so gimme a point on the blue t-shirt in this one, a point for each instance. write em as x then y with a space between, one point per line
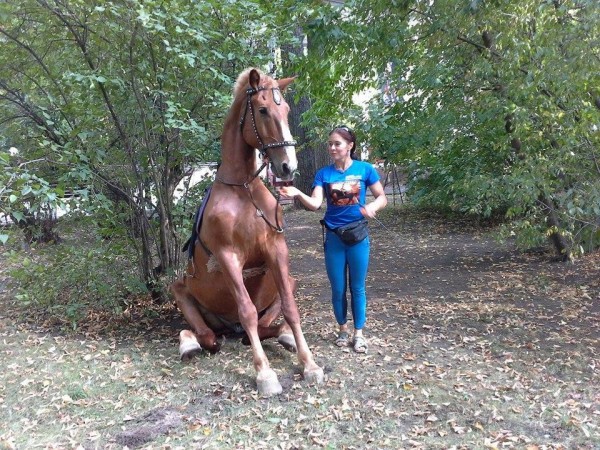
345 191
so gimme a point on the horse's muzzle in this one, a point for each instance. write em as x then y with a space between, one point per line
286 171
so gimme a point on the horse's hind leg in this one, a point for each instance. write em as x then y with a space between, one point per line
282 332
202 337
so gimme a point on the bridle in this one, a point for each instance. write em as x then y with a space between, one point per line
250 107
262 150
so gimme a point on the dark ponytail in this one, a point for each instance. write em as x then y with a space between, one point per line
348 134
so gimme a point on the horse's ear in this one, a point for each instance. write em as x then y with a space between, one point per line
285 82
254 79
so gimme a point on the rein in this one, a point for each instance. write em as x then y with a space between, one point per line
259 211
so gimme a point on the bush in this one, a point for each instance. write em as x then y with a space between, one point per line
70 280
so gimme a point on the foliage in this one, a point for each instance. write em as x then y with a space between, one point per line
27 199
77 277
492 107
113 104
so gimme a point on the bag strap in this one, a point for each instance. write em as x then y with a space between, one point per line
323 226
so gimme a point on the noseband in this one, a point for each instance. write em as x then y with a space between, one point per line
249 107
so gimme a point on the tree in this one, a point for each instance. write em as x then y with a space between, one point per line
119 101
491 106
312 153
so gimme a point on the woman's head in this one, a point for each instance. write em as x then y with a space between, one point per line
346 134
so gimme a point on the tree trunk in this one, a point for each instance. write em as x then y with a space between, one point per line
560 243
311 156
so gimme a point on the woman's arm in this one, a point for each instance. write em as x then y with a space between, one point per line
370 209
313 202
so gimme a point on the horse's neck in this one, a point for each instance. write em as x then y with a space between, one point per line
238 159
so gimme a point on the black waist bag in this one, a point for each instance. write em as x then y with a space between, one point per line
353 233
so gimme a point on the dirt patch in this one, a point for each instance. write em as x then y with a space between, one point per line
148 427
472 345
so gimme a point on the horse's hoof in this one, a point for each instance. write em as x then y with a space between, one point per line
288 342
268 384
314 376
188 345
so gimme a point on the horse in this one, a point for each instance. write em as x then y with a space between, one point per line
237 278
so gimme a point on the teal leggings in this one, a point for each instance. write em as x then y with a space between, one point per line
347 263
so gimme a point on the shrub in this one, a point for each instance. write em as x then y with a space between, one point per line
72 279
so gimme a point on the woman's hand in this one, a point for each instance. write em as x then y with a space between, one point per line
369 211
289 191
313 202
380 201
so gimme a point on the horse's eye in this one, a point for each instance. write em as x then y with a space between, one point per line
263 110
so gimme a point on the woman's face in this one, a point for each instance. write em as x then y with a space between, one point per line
339 148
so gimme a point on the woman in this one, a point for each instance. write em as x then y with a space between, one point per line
344 184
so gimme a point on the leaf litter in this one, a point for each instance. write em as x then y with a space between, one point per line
472 345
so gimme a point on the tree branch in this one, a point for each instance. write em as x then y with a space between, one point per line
37 58
19 100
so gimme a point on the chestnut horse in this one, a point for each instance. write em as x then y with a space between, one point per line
238 277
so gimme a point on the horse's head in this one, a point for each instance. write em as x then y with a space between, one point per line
265 123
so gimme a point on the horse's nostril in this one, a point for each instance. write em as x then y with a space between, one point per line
286 169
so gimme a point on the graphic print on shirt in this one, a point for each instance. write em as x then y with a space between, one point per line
344 193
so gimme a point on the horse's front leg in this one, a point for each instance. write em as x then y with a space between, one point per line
266 378
279 264
265 293
188 341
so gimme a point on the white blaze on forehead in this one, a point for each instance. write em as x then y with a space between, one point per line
290 150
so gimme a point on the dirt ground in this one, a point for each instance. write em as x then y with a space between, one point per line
427 271
473 345
442 291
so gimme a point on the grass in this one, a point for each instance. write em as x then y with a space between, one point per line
499 351
65 392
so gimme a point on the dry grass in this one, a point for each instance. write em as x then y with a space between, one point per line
471 346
